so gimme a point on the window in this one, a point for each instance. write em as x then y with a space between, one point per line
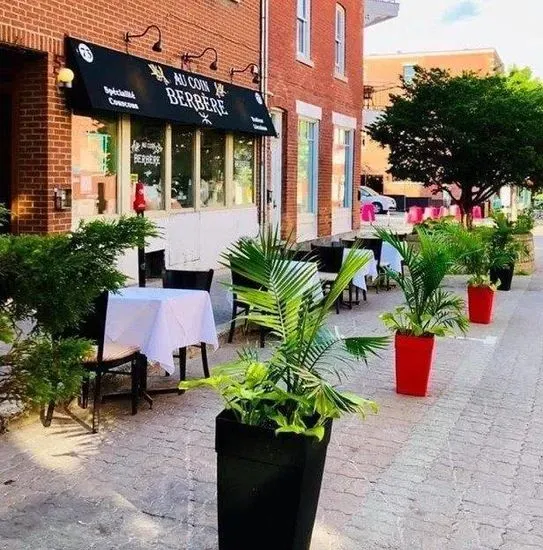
244 169
212 164
307 165
147 159
408 73
182 190
94 165
340 40
303 28
342 168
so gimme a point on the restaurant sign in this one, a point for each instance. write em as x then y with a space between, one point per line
108 80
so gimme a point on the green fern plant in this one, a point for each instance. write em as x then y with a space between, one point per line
428 309
294 390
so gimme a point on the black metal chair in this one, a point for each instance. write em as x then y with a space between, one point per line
376 246
189 280
241 307
106 358
330 259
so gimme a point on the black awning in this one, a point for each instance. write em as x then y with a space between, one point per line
108 80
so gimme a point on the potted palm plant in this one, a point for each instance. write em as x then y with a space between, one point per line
474 255
505 251
271 438
428 311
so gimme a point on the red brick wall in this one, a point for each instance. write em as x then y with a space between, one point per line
291 80
43 151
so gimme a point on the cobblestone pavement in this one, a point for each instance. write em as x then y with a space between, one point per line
461 469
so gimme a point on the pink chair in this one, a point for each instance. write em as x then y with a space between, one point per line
414 214
443 212
477 213
427 213
434 213
367 213
455 211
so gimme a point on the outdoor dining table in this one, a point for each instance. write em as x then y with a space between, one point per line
160 320
368 270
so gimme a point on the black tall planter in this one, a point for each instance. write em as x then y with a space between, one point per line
267 486
504 275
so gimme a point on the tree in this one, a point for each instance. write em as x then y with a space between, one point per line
465 135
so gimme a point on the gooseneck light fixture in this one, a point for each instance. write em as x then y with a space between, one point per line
187 57
157 46
255 71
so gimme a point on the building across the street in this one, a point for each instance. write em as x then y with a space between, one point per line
383 75
91 105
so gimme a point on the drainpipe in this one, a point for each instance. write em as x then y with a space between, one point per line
264 30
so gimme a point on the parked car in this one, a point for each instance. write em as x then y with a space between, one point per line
381 203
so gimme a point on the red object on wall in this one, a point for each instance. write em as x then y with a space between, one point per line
480 304
139 198
414 355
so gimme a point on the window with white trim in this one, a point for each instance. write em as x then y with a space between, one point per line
340 40
342 168
303 29
308 165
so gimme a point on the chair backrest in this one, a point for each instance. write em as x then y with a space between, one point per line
375 245
348 243
330 257
303 256
240 280
189 280
93 325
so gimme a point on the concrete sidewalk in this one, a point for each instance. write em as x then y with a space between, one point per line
459 470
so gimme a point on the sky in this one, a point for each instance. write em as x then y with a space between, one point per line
513 27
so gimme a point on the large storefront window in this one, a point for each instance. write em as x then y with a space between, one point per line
94 166
342 168
212 164
244 169
307 165
147 159
182 167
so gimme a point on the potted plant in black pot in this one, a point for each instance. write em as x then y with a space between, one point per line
428 310
272 437
505 250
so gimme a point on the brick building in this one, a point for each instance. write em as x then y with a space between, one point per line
75 153
382 78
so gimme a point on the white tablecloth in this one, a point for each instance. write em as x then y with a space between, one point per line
391 258
370 269
160 320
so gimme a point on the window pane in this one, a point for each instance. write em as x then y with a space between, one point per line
338 168
94 166
212 163
182 164
243 170
147 159
307 168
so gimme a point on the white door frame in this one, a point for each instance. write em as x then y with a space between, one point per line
276 169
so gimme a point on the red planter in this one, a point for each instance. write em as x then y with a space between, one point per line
480 304
414 356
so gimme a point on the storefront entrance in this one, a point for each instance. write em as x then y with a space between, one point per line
5 154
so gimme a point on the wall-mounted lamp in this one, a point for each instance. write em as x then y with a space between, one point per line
62 198
187 57
255 71
157 46
65 77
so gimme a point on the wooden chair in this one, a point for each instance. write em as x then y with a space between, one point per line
106 358
189 280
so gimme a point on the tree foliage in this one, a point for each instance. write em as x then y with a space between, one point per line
465 135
